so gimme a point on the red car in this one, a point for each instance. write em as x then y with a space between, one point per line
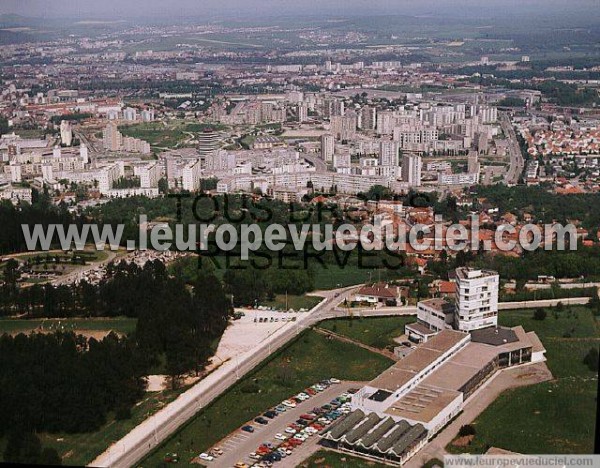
309 417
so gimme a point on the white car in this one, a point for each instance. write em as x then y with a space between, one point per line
206 457
303 396
334 381
255 456
289 403
281 437
290 430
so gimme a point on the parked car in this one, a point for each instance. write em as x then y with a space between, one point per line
248 428
261 420
206 457
171 458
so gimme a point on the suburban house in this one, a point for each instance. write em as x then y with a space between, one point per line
379 293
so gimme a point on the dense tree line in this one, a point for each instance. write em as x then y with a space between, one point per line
39 212
64 382
583 262
175 320
543 204
250 286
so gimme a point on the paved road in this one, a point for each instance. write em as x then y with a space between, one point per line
543 303
517 163
319 164
150 433
238 445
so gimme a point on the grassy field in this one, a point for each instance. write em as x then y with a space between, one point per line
336 277
329 459
552 417
121 325
289 370
293 302
171 135
374 331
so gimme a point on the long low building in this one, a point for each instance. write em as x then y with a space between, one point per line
396 413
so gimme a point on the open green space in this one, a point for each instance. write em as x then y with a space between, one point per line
329 459
122 325
308 359
165 134
334 276
283 302
378 332
552 417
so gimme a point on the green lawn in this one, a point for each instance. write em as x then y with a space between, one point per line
301 363
329 459
293 302
373 331
122 325
552 417
171 135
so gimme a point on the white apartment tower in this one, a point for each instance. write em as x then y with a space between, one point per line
108 175
149 175
476 299
47 172
412 166
16 173
388 153
112 139
190 176
66 133
84 154
327 147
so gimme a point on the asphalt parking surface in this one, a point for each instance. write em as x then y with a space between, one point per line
238 445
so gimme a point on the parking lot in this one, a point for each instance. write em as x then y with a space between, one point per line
251 329
238 445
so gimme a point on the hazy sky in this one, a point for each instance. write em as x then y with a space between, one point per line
255 8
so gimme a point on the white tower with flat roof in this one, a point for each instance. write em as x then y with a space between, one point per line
476 299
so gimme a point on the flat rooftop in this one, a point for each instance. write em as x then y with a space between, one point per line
423 403
441 305
425 354
464 273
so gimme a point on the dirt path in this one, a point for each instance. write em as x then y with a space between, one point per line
345 339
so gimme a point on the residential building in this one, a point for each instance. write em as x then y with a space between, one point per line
412 166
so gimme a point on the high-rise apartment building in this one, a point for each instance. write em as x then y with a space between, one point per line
412 166
476 299
327 147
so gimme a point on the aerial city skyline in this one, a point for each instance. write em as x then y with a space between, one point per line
299 234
